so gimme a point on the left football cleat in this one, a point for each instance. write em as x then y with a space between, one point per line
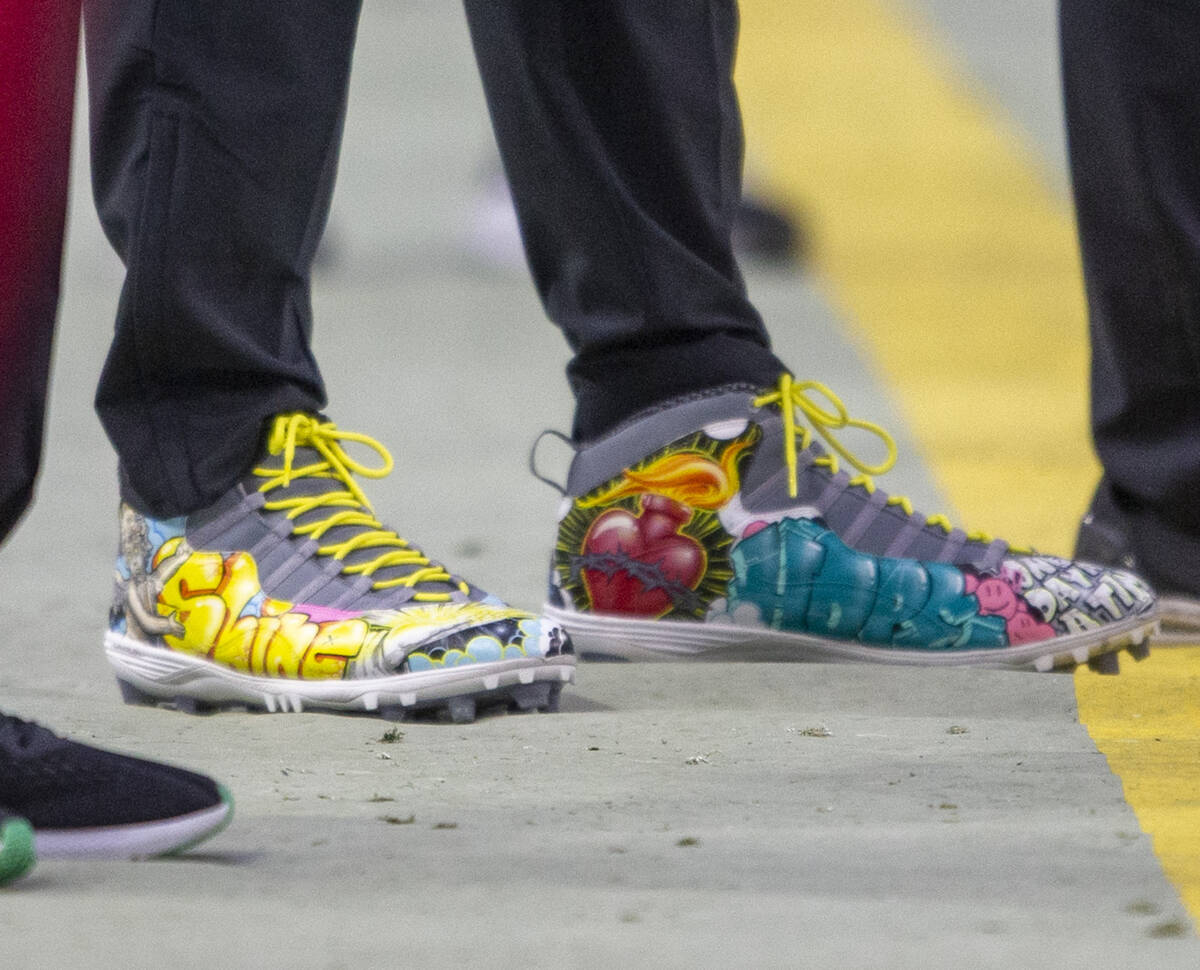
288 594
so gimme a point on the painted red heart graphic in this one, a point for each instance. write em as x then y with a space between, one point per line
660 554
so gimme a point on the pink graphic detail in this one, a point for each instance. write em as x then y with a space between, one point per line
756 526
323 614
1001 596
652 539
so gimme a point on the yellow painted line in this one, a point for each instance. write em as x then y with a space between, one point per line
938 240
1146 722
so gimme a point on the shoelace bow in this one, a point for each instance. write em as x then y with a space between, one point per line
299 430
792 396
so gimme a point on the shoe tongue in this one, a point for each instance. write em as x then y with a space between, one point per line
308 486
765 489
765 480
302 458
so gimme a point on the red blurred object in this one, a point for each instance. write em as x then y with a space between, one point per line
39 45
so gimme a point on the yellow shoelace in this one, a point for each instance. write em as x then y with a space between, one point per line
298 430
792 396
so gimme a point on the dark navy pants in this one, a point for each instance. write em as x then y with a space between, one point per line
215 136
1132 84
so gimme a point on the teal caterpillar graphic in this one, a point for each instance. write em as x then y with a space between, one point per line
796 575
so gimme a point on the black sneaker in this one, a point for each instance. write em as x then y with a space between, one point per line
1104 537
84 802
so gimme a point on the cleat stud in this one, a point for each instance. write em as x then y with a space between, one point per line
1081 655
134 695
491 682
1105 663
270 703
297 704
531 697
370 701
461 709
525 676
1044 664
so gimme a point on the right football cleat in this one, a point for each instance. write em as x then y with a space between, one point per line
717 527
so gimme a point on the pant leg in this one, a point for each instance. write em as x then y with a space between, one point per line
215 130
39 40
621 137
1132 87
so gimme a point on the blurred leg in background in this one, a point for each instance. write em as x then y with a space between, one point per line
1132 86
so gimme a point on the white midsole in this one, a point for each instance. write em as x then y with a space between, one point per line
136 840
167 673
638 639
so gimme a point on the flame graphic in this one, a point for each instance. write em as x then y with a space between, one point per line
688 477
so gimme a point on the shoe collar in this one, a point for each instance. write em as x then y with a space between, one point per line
723 412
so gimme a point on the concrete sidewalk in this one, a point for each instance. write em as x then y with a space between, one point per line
679 816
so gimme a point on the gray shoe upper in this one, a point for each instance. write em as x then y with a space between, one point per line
861 518
289 565
318 512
